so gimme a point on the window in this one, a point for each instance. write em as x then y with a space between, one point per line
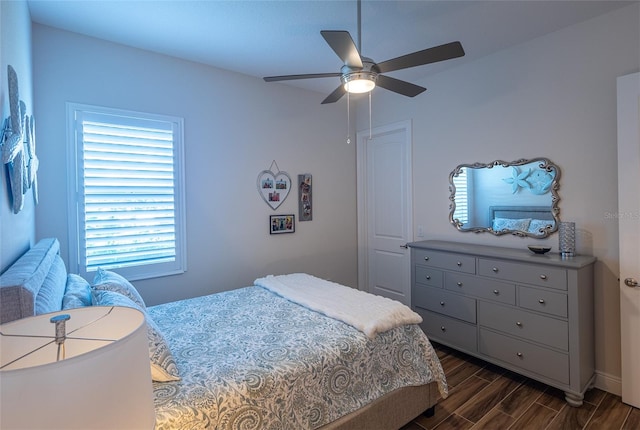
127 178
461 183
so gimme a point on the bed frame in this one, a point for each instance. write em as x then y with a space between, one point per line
25 282
391 411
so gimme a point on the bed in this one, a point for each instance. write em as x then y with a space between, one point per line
531 219
251 358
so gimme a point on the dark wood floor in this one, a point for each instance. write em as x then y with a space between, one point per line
484 396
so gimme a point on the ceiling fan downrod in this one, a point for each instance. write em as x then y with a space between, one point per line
359 9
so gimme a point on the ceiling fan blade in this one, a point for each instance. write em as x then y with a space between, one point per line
307 76
335 95
342 43
426 56
397 86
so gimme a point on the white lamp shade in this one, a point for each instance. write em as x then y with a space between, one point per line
103 383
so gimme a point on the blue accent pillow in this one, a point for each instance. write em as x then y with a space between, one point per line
77 294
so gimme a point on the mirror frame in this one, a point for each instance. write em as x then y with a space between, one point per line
543 163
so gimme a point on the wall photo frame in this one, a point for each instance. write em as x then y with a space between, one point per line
279 224
274 185
305 205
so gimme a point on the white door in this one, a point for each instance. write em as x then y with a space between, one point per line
384 211
629 236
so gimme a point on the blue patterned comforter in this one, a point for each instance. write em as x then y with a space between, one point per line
250 359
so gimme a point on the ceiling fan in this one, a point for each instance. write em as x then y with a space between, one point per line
361 74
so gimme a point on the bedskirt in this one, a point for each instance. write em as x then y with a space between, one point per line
249 359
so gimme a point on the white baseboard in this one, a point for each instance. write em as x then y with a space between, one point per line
609 383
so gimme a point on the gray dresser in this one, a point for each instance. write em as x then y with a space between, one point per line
532 314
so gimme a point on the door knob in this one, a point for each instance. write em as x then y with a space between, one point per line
631 282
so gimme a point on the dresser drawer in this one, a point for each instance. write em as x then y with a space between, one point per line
438 300
527 325
541 300
449 331
544 276
429 276
481 287
542 361
445 260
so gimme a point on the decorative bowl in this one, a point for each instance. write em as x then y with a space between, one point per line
539 249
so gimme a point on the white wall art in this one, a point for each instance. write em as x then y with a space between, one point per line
19 146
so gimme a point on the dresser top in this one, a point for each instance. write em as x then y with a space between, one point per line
524 255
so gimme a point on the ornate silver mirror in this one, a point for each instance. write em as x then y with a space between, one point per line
518 197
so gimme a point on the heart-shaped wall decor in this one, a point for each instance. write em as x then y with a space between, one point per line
274 187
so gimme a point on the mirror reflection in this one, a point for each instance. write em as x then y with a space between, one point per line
518 197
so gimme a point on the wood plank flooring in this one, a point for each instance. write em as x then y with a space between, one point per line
484 396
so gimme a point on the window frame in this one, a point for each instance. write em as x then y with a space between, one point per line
75 195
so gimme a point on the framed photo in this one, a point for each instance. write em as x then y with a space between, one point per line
305 211
279 224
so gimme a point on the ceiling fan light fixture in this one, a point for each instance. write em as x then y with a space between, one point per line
359 82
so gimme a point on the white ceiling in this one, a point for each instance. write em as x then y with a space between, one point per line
278 37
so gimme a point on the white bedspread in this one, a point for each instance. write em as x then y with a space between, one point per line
366 312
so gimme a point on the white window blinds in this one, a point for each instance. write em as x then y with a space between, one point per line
129 192
461 182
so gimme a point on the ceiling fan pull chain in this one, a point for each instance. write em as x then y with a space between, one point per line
370 115
348 120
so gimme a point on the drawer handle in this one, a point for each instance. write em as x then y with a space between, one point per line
428 277
459 263
519 354
443 328
541 301
495 270
441 303
496 292
518 323
459 284
543 277
426 258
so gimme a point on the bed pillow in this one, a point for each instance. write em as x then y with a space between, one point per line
163 365
511 224
106 280
538 224
77 294
51 292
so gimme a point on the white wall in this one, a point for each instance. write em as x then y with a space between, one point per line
553 97
235 126
17 231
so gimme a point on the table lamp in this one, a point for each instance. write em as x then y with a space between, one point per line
84 368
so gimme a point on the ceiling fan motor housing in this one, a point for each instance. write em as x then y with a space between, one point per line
369 72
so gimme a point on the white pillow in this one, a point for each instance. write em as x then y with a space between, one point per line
111 281
163 365
538 224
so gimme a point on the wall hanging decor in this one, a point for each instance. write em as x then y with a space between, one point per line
279 224
274 186
305 207
19 146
